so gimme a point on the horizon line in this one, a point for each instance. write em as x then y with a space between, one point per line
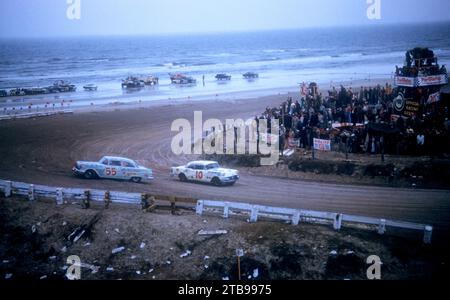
197 33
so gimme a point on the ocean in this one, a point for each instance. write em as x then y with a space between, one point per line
282 58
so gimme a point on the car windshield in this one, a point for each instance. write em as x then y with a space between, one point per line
212 166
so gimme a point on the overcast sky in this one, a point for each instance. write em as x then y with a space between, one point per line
38 18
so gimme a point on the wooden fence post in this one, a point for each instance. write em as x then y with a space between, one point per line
8 189
144 201
31 192
107 199
254 215
337 224
148 203
199 208
59 196
382 226
428 234
86 200
172 204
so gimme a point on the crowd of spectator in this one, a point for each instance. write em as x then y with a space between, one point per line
358 121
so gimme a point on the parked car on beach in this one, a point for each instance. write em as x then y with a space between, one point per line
205 171
182 79
111 167
90 87
17 92
223 76
132 82
251 75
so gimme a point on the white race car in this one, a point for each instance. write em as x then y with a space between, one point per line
205 171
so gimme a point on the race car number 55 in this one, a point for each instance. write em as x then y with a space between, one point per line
230 289
111 172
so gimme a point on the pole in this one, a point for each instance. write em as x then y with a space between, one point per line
346 147
239 268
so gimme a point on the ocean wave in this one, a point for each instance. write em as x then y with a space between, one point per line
348 55
274 51
225 54
98 60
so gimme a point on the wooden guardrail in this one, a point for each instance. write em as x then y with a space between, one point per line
147 201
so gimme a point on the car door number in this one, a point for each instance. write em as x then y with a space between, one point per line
199 175
111 172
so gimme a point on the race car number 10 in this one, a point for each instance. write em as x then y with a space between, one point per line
111 172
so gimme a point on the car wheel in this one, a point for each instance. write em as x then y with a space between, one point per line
136 179
182 177
216 181
90 174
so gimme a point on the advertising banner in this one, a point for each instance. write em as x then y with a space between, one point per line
322 145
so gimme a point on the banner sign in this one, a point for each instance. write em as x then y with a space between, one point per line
432 80
433 98
405 81
322 145
421 81
412 108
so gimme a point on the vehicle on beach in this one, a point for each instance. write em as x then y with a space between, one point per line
17 92
223 76
132 82
182 79
61 86
150 80
205 171
35 91
111 167
3 93
90 87
251 75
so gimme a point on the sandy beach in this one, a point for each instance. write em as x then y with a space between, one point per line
99 101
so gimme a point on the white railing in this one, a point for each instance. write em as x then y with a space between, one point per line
294 216
32 191
27 115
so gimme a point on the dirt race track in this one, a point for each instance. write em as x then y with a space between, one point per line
43 151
